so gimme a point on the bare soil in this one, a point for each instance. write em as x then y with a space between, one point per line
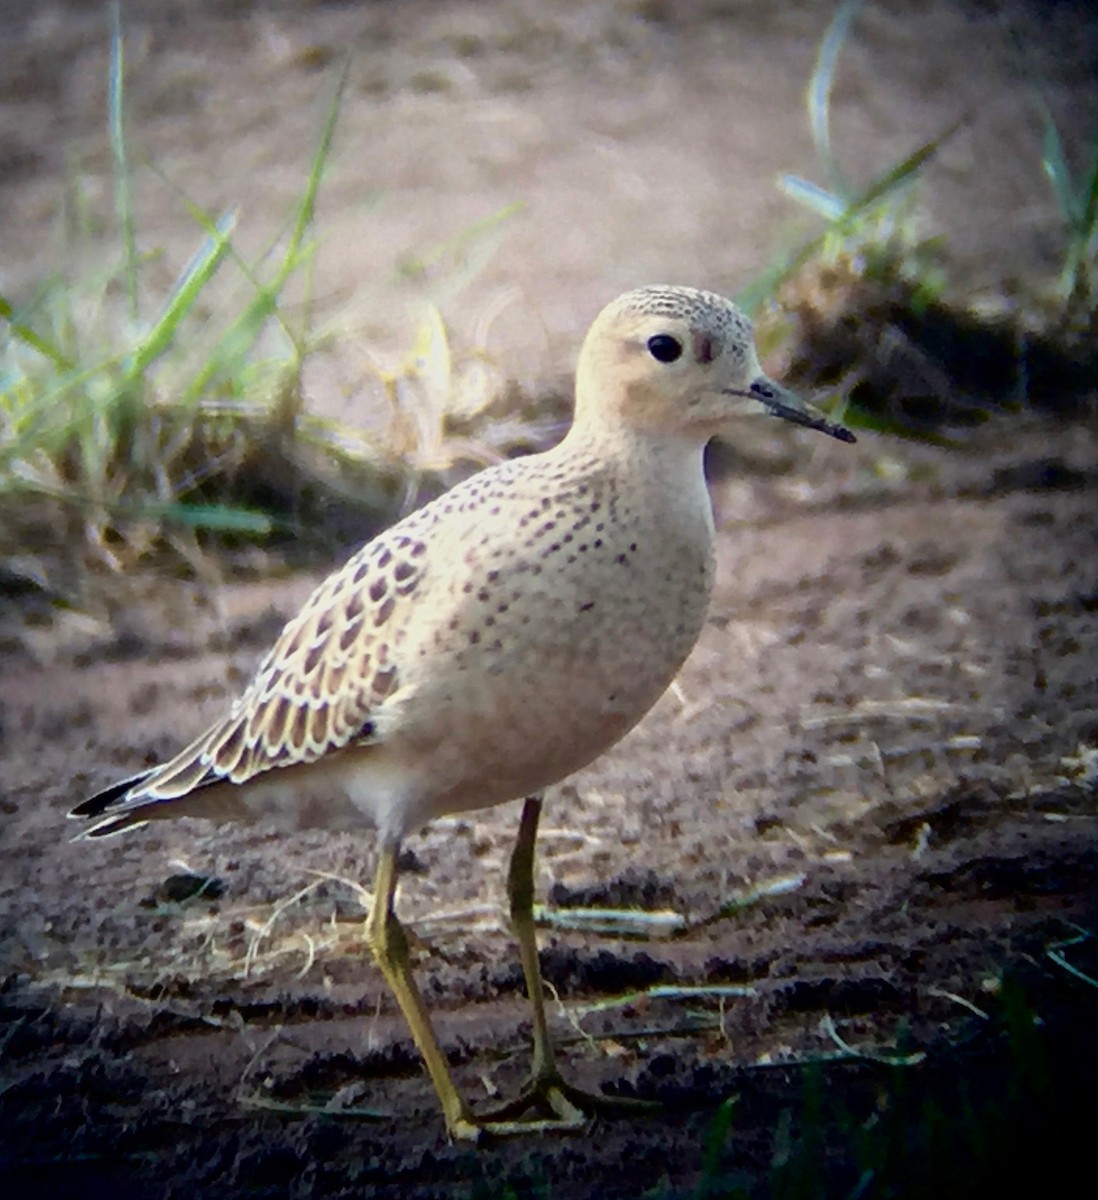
869 799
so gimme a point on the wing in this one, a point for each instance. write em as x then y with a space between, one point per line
315 692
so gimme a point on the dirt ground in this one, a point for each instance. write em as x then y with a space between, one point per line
866 809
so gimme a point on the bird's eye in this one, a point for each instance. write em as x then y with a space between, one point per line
664 348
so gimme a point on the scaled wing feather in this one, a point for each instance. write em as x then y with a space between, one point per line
319 685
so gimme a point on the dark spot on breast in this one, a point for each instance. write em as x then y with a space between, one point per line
378 588
403 571
384 611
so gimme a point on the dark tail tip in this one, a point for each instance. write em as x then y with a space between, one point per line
102 802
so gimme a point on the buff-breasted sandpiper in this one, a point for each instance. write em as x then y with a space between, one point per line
494 642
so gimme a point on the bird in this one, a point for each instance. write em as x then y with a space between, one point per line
492 643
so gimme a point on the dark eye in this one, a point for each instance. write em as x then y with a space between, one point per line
664 348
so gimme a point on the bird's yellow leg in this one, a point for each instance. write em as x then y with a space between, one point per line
564 1108
389 944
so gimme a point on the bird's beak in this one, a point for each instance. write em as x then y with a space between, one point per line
790 407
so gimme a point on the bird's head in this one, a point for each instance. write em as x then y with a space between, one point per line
679 362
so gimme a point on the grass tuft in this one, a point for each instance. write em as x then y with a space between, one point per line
120 430
1077 201
134 423
864 303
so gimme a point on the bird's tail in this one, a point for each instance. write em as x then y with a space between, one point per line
101 805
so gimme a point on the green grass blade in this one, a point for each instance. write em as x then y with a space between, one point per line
886 185
716 1139
884 188
461 241
1077 277
1054 164
214 518
241 335
211 226
306 210
23 333
819 200
233 346
123 190
819 91
196 275
1088 215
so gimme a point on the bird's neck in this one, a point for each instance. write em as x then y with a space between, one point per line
661 470
629 449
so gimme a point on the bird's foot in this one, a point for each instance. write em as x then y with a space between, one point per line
547 1104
